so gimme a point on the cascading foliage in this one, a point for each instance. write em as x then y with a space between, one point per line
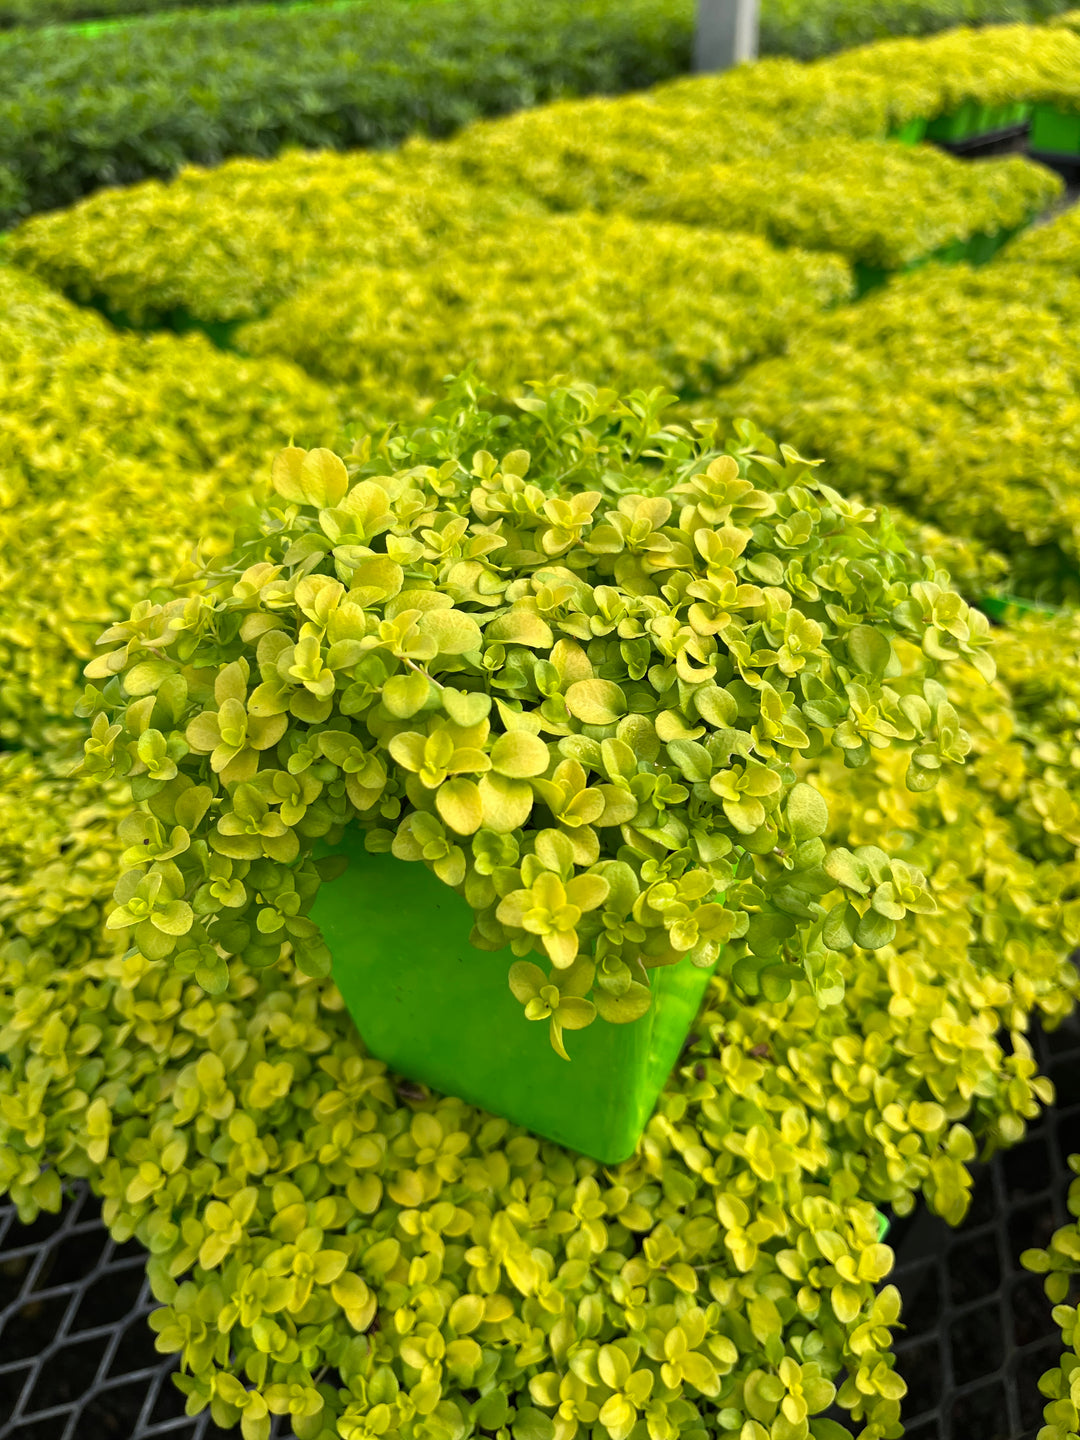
571 663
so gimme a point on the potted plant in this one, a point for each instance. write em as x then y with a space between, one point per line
532 695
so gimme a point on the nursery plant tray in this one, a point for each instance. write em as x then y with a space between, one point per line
910 132
1009 607
969 126
979 1331
1054 134
439 1011
974 124
977 248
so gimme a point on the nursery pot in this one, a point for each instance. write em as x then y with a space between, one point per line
438 1010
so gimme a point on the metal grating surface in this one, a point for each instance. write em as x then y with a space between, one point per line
77 1360
979 1331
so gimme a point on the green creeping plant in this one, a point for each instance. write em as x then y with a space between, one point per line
196 86
577 682
169 435
368 1259
995 348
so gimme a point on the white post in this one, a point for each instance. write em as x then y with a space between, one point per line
726 34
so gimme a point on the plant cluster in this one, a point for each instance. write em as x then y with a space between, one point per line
980 436
875 202
118 454
199 86
575 682
1060 1263
595 153
228 244
609 298
600 151
366 1258
354 1253
998 65
215 246
60 12
807 31
803 31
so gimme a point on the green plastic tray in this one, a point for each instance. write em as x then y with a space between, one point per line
1053 132
911 132
977 248
1005 607
972 121
439 1011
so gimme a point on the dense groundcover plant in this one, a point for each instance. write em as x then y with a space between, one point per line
213 1126
570 662
196 86
1060 1263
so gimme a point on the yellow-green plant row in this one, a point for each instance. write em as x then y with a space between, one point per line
876 202
592 153
981 435
992 65
607 298
228 244
303 1213
118 454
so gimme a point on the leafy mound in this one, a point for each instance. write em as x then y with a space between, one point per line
980 436
228 243
611 298
118 455
573 682
334 1245
878 203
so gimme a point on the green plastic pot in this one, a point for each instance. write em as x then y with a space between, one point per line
439 1011
1053 132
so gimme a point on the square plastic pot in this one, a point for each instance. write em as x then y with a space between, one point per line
439 1011
1053 132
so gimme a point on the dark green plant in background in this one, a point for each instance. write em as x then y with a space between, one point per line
78 112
